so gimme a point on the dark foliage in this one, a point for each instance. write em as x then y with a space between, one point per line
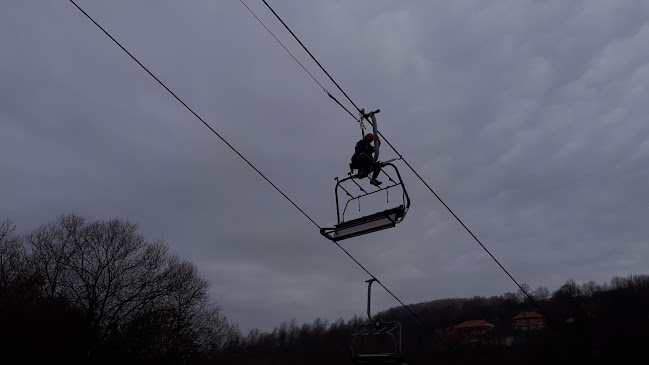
97 292
591 323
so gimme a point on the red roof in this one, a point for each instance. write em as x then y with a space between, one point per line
477 323
528 315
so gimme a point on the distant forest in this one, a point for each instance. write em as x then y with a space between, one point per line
83 291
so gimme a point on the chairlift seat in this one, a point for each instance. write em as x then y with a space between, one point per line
368 224
385 358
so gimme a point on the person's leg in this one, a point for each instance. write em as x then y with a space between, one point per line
354 163
364 163
377 171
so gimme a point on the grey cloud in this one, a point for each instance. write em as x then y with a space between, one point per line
527 118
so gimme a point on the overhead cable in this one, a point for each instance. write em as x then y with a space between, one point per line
243 158
296 60
406 162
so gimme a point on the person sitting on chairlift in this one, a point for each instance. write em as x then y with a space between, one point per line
363 159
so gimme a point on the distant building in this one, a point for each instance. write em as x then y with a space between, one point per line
470 331
528 321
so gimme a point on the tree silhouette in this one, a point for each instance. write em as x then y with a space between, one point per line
115 294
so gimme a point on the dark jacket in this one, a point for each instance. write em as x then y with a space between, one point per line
364 146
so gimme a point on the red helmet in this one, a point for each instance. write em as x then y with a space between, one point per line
369 137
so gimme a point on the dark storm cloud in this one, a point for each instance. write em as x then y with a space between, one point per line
528 118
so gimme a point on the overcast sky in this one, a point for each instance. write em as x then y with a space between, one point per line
529 118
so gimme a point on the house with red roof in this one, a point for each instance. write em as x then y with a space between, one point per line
469 330
528 321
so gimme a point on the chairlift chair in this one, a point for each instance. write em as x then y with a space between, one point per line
388 218
377 342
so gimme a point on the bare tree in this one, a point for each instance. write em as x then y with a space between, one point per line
124 285
589 288
52 247
12 256
640 281
541 293
569 290
511 297
618 282
523 292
